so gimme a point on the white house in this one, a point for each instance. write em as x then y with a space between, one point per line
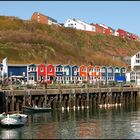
78 24
116 33
133 75
135 61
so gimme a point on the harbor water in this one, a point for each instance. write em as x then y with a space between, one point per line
117 122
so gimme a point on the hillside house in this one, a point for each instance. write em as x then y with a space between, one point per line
40 18
101 28
78 24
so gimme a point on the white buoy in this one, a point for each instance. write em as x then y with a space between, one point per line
82 107
116 104
74 108
78 107
101 106
108 105
87 107
62 108
105 105
68 108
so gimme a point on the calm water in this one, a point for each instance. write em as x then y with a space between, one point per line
116 122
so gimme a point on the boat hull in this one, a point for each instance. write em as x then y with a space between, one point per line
31 109
11 122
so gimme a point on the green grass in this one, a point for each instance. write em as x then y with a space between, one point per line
26 42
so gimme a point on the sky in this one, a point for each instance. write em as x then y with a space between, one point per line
115 14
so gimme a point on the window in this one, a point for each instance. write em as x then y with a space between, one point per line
117 70
123 70
103 70
138 55
90 70
137 61
84 69
84 27
50 69
97 70
41 69
75 69
31 78
110 70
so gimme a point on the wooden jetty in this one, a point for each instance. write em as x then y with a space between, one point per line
67 98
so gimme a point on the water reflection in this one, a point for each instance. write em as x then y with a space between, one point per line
105 123
10 133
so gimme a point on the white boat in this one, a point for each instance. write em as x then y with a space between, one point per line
12 122
4 115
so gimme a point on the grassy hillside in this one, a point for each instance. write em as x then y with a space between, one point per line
27 42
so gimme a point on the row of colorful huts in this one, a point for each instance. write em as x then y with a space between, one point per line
58 73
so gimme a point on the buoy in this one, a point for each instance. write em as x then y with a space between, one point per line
74 108
62 108
100 105
68 108
78 107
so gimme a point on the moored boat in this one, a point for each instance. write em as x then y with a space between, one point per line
9 122
36 109
4 115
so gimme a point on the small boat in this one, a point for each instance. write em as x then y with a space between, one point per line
36 109
4 115
10 122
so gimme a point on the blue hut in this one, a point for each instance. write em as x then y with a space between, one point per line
120 76
75 74
104 74
31 73
59 73
67 74
110 74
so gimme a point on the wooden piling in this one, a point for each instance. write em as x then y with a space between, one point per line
13 104
6 109
17 106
